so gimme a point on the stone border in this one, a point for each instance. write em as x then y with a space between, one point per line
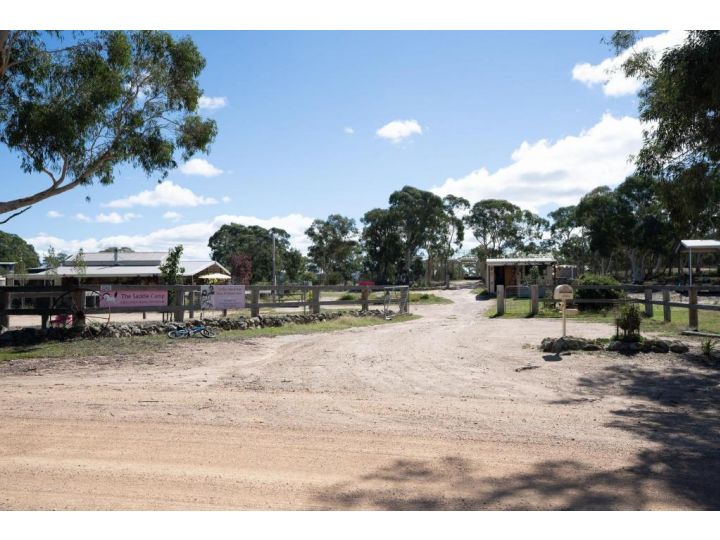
31 336
569 343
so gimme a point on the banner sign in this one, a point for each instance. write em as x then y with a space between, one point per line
222 296
110 298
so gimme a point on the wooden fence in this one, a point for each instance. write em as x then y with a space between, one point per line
691 305
187 298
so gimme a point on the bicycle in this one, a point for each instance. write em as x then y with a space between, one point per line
190 331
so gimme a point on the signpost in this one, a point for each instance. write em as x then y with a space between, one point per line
563 293
222 296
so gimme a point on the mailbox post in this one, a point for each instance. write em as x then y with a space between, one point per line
563 293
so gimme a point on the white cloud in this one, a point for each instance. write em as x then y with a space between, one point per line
348 130
174 216
54 214
165 194
546 173
193 236
397 130
114 217
83 217
609 72
208 102
226 199
199 167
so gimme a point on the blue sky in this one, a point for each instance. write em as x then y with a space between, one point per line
534 117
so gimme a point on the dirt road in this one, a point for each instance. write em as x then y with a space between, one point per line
451 411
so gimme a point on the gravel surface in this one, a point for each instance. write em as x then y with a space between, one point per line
451 411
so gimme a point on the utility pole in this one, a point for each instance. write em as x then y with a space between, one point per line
274 292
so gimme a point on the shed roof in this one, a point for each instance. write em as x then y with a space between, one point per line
699 246
520 261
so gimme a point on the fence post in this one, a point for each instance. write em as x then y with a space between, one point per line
4 304
179 305
534 297
648 303
667 317
255 302
79 300
692 311
365 298
405 300
315 302
500 299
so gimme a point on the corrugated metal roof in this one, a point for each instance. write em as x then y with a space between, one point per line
192 268
701 245
139 258
520 260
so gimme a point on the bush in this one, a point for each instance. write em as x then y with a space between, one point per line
629 321
597 294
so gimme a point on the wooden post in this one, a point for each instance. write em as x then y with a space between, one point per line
78 298
534 300
255 302
667 317
191 307
692 311
315 302
648 303
500 299
405 300
179 305
4 304
365 300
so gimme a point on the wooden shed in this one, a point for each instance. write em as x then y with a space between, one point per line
513 273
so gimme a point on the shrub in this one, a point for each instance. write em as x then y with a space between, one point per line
597 294
708 346
629 321
347 296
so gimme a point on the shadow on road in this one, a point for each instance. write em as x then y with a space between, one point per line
676 412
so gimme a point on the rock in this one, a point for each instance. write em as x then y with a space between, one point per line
658 345
679 347
591 347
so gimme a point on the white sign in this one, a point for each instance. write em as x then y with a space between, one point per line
222 296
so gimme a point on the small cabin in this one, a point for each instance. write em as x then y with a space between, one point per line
515 274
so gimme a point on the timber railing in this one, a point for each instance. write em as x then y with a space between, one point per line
184 298
647 301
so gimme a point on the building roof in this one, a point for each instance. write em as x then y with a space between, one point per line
699 246
192 268
139 258
520 261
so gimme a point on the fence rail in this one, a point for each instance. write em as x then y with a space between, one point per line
187 298
692 305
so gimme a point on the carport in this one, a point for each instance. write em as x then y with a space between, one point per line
698 247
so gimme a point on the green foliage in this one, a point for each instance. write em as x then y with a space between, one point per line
502 227
383 246
597 294
533 277
53 260
80 264
629 320
419 216
254 241
334 248
170 271
294 264
77 111
15 249
708 346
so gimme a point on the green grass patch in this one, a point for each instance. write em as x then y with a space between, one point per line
149 344
480 290
428 298
709 321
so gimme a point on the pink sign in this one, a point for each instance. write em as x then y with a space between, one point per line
133 298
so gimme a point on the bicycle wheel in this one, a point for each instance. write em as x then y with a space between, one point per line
206 332
177 334
66 304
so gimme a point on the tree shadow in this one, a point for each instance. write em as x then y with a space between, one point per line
676 411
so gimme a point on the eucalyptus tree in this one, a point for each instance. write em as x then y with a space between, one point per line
334 246
74 107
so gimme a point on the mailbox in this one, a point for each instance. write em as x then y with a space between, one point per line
563 292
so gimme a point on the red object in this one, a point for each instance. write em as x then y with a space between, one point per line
366 283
